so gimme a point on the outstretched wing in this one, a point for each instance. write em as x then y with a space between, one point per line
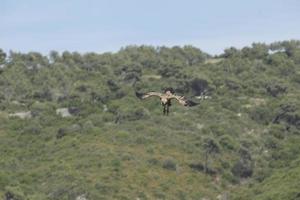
148 94
183 101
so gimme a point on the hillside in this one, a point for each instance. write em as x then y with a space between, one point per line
71 126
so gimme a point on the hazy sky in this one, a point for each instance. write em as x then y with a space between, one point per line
108 25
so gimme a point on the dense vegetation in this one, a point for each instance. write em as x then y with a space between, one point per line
72 128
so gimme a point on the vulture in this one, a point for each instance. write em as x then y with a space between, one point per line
165 99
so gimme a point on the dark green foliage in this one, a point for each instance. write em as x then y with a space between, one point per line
275 89
243 168
13 193
262 115
230 52
241 140
2 56
228 143
197 166
169 164
198 86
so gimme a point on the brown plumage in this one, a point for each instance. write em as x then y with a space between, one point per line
166 98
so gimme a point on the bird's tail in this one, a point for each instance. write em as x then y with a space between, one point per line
191 103
139 95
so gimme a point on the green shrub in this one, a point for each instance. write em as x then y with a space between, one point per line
278 131
228 176
228 143
153 161
14 192
262 115
169 164
72 129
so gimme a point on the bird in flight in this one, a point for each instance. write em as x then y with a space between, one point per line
166 98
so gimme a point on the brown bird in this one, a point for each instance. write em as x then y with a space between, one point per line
166 98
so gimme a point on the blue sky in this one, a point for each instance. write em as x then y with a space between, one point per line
108 25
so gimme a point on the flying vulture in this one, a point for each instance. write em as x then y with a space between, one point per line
166 98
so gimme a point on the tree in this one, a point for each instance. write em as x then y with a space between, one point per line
230 52
291 46
260 50
194 55
2 56
210 147
68 58
276 89
288 47
54 56
243 168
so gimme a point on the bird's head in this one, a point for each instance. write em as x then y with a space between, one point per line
169 91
